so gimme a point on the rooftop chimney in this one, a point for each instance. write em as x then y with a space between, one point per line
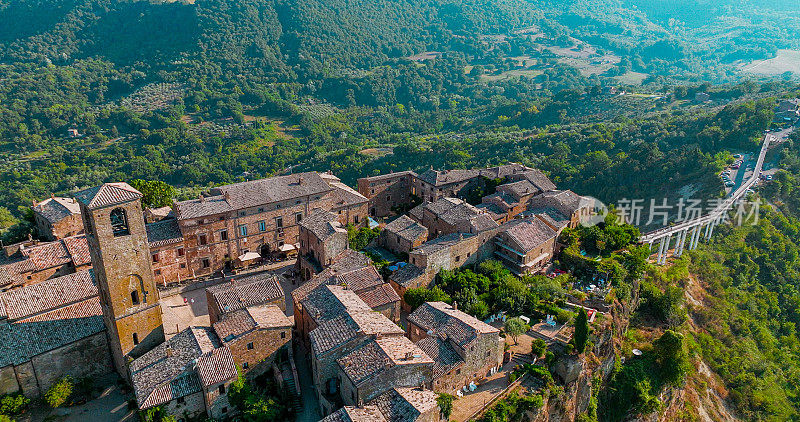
170 353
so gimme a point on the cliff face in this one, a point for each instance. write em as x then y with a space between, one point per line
579 374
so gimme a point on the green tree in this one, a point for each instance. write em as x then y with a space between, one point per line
59 393
515 327
418 296
581 330
672 357
445 402
155 193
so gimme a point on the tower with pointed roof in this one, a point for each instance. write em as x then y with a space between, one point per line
115 231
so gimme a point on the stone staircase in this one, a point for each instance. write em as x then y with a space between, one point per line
291 387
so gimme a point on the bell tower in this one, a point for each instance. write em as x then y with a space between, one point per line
115 231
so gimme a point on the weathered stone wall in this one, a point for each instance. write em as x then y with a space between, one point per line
265 343
385 192
397 376
193 405
217 404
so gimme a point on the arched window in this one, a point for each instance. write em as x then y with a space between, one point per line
119 222
135 297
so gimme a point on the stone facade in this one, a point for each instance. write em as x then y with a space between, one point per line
402 235
526 246
254 335
117 237
478 346
388 193
322 239
57 218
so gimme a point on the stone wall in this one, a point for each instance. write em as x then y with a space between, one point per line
88 357
387 191
265 343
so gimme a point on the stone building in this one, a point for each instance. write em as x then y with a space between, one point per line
337 321
167 254
525 246
381 364
388 193
395 405
240 293
322 239
117 237
49 330
154 215
562 205
189 374
433 185
32 262
57 218
451 215
512 199
465 349
355 271
261 216
402 235
255 335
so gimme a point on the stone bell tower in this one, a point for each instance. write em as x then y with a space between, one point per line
115 231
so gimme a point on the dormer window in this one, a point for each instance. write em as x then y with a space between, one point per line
119 222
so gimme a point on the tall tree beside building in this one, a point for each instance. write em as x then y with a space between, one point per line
581 330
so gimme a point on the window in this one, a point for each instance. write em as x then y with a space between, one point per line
135 338
206 263
243 230
283 334
157 272
135 297
242 213
458 259
224 410
250 346
155 257
119 222
355 219
245 365
458 371
180 400
181 251
183 265
202 239
261 210
262 226
223 235
279 222
298 202
222 389
298 217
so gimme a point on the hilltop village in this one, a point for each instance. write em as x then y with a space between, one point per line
90 300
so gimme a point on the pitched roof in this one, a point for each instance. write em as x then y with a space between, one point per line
407 275
449 323
346 261
389 176
344 195
202 207
273 189
323 224
442 242
348 325
446 177
12 270
355 414
50 294
234 324
378 355
47 255
247 291
107 194
78 249
168 371
405 404
22 340
329 301
216 366
56 208
529 233
406 228
566 202
164 232
379 296
538 179
519 189
442 353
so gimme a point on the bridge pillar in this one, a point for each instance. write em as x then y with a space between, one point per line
695 237
681 241
665 245
660 251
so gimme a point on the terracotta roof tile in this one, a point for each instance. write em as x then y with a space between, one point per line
50 294
107 194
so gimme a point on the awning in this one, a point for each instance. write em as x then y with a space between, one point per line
286 247
249 256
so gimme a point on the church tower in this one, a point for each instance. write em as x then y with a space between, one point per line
115 231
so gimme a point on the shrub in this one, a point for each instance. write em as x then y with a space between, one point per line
13 404
59 393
